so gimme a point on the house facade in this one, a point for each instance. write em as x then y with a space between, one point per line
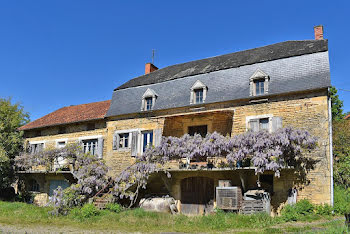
266 88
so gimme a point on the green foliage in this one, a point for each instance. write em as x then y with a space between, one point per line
302 210
341 152
337 105
341 200
323 210
12 116
114 207
85 212
138 220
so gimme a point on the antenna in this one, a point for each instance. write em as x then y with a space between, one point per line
153 53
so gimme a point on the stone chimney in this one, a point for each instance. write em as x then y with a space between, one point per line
150 68
318 32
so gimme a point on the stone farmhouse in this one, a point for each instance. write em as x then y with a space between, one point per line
274 86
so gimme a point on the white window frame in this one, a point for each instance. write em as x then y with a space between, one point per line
65 140
95 137
258 75
258 117
130 137
148 94
38 142
196 86
142 139
96 146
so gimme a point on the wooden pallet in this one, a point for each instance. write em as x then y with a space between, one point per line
254 206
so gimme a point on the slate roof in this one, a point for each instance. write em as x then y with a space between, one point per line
71 114
291 66
241 58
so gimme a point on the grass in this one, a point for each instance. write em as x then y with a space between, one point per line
138 220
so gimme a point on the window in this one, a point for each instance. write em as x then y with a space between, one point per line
90 146
36 148
198 95
256 125
90 126
147 140
54 184
259 87
61 144
259 83
264 122
123 140
61 130
148 100
201 130
34 186
148 103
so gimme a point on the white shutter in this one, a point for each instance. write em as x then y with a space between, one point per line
100 147
254 125
158 136
276 123
134 140
116 141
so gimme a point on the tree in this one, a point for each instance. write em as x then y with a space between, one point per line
337 105
12 116
341 152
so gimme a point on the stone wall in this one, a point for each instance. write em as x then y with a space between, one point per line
307 111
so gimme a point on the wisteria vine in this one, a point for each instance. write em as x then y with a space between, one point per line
266 151
89 171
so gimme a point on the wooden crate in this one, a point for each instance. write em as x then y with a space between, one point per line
255 206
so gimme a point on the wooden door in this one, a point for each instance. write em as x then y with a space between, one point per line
197 195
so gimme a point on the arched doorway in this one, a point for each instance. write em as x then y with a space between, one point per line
197 195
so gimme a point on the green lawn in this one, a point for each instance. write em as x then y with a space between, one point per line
30 216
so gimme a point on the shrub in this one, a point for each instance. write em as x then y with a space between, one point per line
341 200
299 211
324 209
304 207
114 207
89 210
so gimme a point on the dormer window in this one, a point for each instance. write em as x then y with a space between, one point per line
148 100
148 103
259 83
198 93
259 87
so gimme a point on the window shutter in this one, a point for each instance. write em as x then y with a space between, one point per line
276 123
116 141
134 140
100 147
31 148
254 125
158 136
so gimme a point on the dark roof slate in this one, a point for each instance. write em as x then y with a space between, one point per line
237 59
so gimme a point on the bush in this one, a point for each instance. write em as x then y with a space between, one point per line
304 207
299 211
341 200
87 211
114 207
324 210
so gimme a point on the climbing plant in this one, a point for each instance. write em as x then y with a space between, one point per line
265 151
89 171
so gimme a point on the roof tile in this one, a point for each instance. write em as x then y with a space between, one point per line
71 114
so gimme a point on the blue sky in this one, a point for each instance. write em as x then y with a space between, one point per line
61 53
